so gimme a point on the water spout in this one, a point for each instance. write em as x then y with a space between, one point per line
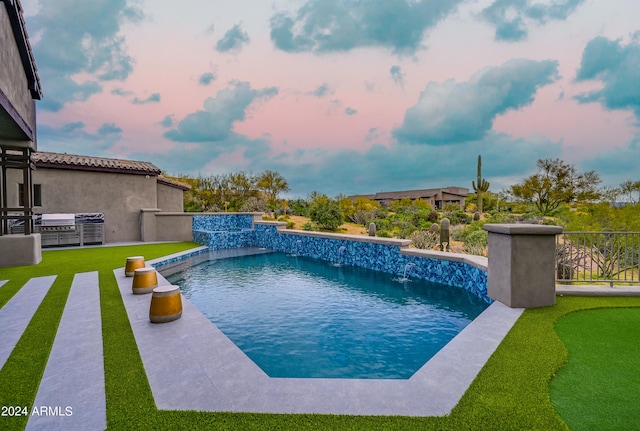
341 252
404 278
296 251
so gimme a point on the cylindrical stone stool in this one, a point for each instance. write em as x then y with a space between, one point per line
144 280
133 263
166 304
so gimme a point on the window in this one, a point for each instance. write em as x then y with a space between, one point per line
37 195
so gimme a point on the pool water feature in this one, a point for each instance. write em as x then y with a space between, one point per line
301 317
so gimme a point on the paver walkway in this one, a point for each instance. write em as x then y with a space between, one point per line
17 313
72 390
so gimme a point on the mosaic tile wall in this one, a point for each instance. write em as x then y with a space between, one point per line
218 240
224 231
378 257
182 256
223 222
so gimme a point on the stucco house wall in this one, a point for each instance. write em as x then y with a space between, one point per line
119 196
14 89
170 198
120 189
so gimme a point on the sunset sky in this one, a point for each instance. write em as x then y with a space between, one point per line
343 96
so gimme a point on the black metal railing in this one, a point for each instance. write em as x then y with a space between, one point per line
595 257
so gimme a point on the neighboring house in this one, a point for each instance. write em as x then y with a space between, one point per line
119 189
437 198
19 89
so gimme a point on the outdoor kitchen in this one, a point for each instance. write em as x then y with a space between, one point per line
64 229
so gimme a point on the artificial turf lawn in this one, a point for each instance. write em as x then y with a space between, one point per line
599 386
510 393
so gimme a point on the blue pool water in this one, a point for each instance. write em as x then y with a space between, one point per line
300 317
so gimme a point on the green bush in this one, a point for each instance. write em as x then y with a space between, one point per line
477 238
326 213
461 233
308 226
458 217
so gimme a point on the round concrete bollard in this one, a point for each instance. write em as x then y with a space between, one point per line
166 304
144 280
133 263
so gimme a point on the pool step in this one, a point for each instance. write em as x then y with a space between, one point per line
72 390
17 313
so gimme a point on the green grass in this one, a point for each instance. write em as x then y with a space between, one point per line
599 387
510 393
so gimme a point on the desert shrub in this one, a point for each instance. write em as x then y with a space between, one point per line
530 218
433 216
458 217
477 238
308 226
500 217
298 207
290 225
424 239
476 250
364 217
326 213
457 232
384 234
462 232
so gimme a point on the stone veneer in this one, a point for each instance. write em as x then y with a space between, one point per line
226 231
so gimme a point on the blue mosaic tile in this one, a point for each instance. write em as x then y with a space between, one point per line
178 258
230 231
223 222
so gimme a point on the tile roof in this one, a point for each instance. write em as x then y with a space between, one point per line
90 163
415 194
173 183
412 194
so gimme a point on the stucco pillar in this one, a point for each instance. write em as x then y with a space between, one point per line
148 224
18 250
522 264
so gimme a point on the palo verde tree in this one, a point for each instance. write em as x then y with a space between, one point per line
272 183
631 191
556 183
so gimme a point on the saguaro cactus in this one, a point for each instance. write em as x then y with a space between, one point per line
372 229
482 185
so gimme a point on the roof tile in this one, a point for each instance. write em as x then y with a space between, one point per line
74 161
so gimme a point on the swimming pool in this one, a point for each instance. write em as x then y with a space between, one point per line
302 317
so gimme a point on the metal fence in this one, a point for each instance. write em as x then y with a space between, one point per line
595 257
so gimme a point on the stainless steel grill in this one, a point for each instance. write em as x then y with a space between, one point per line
58 223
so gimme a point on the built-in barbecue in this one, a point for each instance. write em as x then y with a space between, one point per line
58 222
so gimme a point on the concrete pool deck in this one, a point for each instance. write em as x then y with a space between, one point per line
192 365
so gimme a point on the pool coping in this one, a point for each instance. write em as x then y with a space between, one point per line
192 365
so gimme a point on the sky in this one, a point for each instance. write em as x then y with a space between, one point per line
343 96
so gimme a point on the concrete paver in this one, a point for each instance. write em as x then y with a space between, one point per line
71 395
17 313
